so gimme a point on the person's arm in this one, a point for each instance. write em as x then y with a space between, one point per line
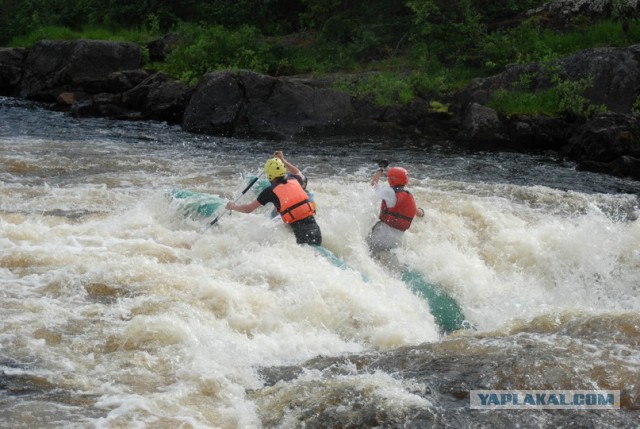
243 208
383 163
376 176
387 194
292 168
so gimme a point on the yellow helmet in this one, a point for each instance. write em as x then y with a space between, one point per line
274 168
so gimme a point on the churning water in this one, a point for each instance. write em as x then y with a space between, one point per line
118 311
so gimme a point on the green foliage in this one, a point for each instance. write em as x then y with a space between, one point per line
436 106
20 17
65 33
383 89
203 49
624 9
48 32
363 31
522 103
636 106
529 43
439 20
564 98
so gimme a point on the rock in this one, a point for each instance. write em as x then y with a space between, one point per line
562 13
215 105
11 69
282 108
521 77
103 105
52 67
598 143
158 98
624 166
614 74
482 129
160 48
537 133
66 98
605 138
247 103
118 82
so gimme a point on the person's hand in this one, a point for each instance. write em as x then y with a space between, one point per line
376 176
230 205
278 154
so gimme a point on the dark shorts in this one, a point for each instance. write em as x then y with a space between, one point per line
307 231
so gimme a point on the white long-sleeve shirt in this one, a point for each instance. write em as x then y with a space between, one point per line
386 193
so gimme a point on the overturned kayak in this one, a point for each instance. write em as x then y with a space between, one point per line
335 260
200 204
445 310
195 204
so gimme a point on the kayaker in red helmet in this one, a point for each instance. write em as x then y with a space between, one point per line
397 210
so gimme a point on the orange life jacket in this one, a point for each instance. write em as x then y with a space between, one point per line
400 215
294 201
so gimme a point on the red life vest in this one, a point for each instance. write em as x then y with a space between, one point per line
400 215
294 201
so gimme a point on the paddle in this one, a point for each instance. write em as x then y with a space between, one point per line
251 183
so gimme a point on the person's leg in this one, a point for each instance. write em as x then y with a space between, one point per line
378 240
307 231
382 240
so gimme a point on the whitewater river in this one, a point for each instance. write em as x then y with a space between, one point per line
116 311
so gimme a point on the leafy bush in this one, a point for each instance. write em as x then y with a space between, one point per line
564 99
203 49
383 89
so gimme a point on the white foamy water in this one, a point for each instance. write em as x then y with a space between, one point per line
120 312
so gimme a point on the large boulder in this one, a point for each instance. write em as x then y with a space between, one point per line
605 138
562 13
485 129
520 77
160 48
157 98
52 67
599 143
247 103
291 108
625 166
11 69
614 74
215 105
482 129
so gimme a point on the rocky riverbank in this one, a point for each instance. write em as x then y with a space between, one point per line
108 79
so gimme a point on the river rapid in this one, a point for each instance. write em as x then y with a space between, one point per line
117 311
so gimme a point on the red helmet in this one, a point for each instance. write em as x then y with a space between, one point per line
397 176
